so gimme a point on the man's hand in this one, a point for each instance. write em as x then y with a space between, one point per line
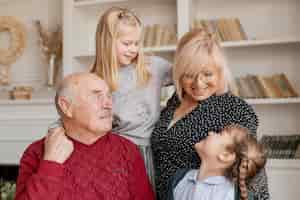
58 147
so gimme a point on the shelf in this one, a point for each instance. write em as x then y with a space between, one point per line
170 48
283 163
164 49
40 97
86 3
249 43
291 100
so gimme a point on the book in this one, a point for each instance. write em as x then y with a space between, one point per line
273 87
281 146
280 82
233 88
267 90
150 36
288 85
146 35
243 34
253 86
259 87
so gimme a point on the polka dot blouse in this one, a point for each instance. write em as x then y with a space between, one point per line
173 147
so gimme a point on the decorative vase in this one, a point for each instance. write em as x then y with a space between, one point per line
51 71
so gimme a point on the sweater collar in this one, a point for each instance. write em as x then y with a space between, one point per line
211 180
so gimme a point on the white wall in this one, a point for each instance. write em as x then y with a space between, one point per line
30 68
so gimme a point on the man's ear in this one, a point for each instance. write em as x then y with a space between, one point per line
65 106
227 157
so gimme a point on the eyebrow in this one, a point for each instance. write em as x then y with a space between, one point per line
97 91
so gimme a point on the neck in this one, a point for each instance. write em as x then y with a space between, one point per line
81 134
188 103
209 169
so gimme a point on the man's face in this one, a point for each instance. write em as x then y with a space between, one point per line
93 106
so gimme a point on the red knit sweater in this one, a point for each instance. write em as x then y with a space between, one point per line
110 169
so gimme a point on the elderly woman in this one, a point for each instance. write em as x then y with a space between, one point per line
201 104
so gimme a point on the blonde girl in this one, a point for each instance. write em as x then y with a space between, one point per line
134 79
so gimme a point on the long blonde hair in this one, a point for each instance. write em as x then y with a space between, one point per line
108 30
195 49
250 157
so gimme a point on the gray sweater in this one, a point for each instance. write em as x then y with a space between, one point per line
136 108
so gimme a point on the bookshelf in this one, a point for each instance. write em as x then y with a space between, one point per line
245 44
273 46
87 3
262 101
261 42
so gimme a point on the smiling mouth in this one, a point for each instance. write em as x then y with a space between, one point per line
199 91
105 116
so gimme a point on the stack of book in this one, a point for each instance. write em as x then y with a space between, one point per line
226 29
281 146
159 35
257 86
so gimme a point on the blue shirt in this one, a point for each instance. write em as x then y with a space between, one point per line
211 188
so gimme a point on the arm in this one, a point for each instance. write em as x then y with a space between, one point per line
38 179
242 113
41 176
164 68
139 183
259 185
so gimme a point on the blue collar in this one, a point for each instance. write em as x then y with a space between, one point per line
212 180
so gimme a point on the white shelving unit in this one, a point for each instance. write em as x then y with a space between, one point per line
88 3
273 47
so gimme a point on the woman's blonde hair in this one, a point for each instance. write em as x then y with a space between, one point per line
196 49
250 157
108 30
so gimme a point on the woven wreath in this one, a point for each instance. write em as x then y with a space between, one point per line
17 34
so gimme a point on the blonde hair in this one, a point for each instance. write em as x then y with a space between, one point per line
108 30
250 157
195 49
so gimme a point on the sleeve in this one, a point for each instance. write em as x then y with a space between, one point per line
242 113
173 182
139 184
259 185
38 179
164 68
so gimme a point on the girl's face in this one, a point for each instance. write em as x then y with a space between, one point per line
201 85
214 144
128 44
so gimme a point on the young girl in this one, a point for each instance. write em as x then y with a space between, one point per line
135 80
228 159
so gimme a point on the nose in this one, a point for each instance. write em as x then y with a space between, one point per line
200 81
133 49
107 103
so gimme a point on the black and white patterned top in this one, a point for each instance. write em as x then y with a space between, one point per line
173 147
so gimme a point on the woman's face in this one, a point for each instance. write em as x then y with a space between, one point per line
201 85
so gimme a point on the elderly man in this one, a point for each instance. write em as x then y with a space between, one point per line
86 161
